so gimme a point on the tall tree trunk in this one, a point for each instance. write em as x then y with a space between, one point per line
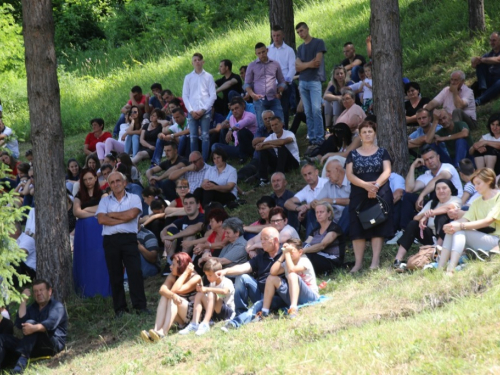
281 13
388 82
52 240
476 16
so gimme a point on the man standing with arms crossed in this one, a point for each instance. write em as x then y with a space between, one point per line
119 214
310 64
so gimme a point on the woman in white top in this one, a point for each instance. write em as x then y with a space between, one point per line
485 151
479 228
430 221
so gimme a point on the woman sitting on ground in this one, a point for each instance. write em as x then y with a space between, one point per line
11 163
325 248
131 137
72 173
333 95
430 221
176 301
479 228
215 238
149 136
95 136
264 205
414 102
486 150
353 115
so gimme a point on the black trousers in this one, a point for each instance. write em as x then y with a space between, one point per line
324 265
283 162
168 188
31 346
121 250
413 231
207 196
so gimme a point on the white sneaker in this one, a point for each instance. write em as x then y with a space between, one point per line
192 327
202 329
394 240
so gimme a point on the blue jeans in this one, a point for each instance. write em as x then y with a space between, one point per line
132 143
182 149
344 220
355 74
310 92
487 82
306 295
158 152
285 105
310 222
461 150
264 104
194 125
120 121
244 148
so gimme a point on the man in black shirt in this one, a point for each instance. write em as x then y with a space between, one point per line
281 194
173 162
229 82
44 324
352 62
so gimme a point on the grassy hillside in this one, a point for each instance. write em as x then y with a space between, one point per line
434 36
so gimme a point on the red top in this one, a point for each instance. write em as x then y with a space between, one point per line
212 237
142 101
91 140
178 202
182 105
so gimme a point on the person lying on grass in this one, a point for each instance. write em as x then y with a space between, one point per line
299 272
176 301
217 299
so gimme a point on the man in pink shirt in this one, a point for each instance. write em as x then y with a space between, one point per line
242 128
457 99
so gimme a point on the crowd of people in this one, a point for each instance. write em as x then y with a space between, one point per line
219 268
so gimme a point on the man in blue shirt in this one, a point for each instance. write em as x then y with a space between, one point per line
44 325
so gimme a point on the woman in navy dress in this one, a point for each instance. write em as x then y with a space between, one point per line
90 272
368 169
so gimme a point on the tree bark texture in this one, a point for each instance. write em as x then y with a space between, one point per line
281 13
476 16
52 241
388 90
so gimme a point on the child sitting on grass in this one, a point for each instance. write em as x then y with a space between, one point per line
299 273
217 299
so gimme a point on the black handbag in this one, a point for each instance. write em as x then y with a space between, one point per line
373 216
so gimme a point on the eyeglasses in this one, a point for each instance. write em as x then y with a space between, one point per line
183 187
276 221
197 160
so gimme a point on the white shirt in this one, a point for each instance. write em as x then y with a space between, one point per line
308 275
227 176
292 146
308 194
198 91
111 204
396 182
285 56
227 298
455 178
490 138
12 144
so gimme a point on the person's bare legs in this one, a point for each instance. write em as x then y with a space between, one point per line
443 258
401 253
358 247
272 283
490 161
208 301
198 307
454 259
161 312
377 244
479 161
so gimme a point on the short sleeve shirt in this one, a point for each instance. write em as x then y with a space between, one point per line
308 275
292 146
167 164
450 145
307 194
227 176
142 101
346 62
455 178
111 204
228 299
235 252
185 221
480 209
306 53
261 266
91 140
238 87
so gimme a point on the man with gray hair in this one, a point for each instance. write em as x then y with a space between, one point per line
119 213
488 71
456 99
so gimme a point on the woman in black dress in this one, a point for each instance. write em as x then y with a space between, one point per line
368 169
414 102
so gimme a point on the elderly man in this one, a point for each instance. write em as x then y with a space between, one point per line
247 287
119 213
285 56
44 324
264 82
454 134
336 192
308 194
488 71
194 172
456 99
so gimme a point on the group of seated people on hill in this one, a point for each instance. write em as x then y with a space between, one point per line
216 266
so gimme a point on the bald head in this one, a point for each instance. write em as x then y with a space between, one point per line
270 240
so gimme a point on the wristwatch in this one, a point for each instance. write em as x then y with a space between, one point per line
334 201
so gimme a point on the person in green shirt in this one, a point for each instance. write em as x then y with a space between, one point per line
455 134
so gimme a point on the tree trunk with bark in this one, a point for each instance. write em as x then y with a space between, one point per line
281 13
52 240
476 16
388 90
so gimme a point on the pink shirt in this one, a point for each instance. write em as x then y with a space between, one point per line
248 120
352 117
445 99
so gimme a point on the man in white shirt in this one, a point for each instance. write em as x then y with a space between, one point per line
279 152
198 94
308 194
8 140
412 202
457 99
282 53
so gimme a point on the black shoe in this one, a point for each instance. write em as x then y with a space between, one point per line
166 270
119 313
144 311
21 364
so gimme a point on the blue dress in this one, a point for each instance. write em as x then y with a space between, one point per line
90 272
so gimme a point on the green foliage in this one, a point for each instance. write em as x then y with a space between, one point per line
10 254
11 42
